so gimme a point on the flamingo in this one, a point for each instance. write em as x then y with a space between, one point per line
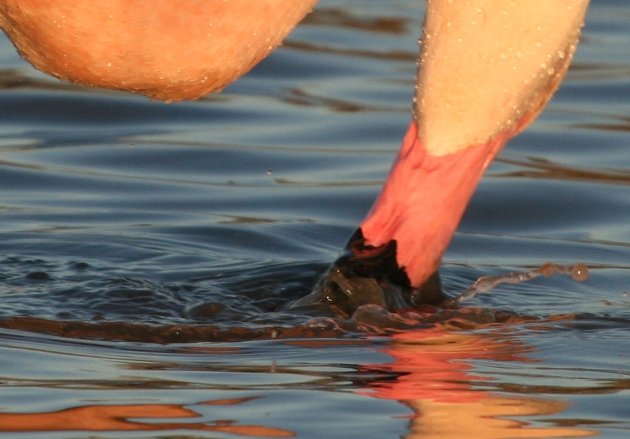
487 68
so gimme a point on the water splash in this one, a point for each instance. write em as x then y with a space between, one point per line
80 301
485 284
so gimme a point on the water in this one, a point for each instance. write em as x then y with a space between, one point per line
149 252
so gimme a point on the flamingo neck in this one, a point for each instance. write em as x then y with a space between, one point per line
423 201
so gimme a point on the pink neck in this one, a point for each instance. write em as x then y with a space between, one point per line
423 201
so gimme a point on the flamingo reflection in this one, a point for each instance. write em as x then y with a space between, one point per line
125 417
435 379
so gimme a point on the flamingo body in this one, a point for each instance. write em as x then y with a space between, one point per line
165 49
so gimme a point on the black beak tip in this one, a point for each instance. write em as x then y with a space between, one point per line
371 275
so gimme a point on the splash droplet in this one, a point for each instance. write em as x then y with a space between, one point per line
548 269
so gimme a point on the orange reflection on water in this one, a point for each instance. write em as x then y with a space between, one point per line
125 418
434 380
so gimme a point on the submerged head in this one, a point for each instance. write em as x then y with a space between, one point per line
367 275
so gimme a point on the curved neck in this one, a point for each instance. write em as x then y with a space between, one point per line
490 66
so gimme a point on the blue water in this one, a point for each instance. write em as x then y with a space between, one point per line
149 252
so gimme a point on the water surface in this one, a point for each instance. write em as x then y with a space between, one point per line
149 252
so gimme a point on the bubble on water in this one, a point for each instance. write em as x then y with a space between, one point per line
579 272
